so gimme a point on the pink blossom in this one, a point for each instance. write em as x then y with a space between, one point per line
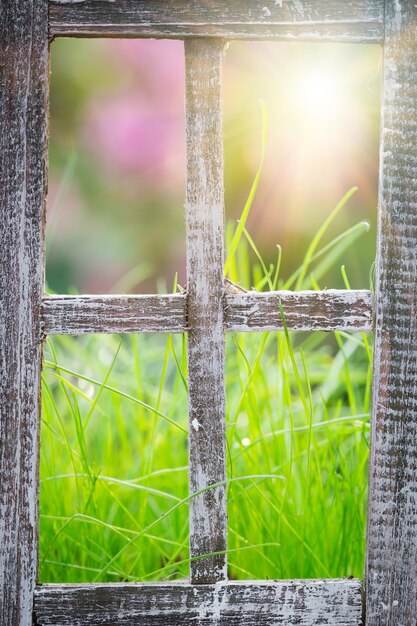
130 134
140 130
158 66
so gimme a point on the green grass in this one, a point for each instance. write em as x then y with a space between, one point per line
114 485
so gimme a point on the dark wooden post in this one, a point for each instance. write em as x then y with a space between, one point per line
23 138
391 577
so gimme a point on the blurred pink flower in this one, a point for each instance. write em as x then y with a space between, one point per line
141 130
158 65
130 134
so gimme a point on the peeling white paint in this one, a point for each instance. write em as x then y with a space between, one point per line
263 603
392 511
340 21
393 429
304 310
82 314
195 424
205 291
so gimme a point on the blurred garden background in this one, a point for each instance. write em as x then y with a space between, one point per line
116 191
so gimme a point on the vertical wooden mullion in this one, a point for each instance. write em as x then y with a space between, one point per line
205 259
24 68
391 580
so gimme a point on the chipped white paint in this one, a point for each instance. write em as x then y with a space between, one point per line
391 582
334 309
204 237
268 603
195 424
303 9
77 315
361 20
23 137
250 311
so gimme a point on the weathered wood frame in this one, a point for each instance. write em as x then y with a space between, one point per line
206 312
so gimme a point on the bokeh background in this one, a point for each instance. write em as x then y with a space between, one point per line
116 189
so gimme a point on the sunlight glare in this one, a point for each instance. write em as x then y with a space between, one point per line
319 94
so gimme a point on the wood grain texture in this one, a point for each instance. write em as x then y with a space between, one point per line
251 311
289 603
391 581
304 310
205 257
23 137
333 20
77 315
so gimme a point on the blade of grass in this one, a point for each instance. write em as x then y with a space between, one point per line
248 205
118 392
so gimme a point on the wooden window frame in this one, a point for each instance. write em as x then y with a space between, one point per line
388 594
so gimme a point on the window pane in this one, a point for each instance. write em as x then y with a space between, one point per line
116 176
320 126
298 423
114 460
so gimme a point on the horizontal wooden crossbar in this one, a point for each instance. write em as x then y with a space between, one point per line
252 311
77 315
336 309
290 603
332 20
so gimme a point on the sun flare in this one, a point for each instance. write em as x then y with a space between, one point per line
319 94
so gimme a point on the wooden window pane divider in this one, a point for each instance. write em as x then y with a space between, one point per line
361 21
81 314
204 217
333 309
253 603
